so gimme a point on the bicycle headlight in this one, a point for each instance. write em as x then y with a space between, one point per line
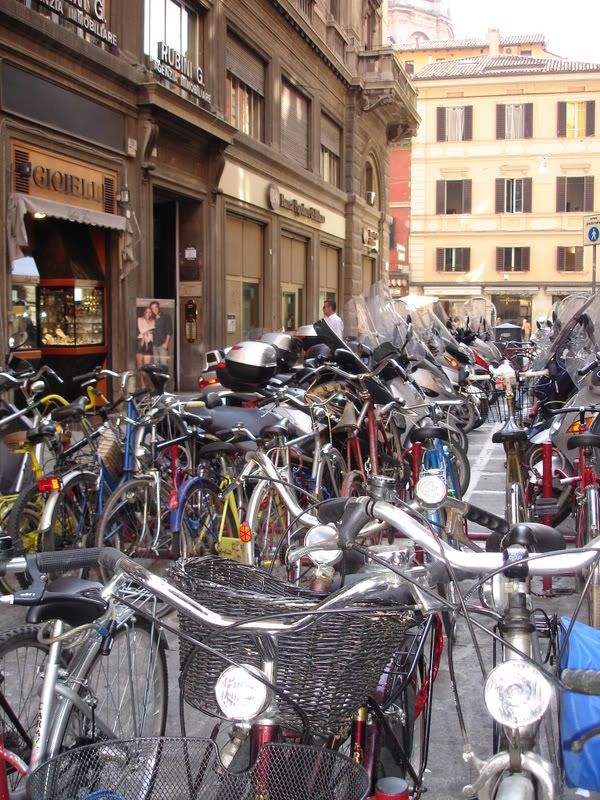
431 490
322 535
239 694
516 693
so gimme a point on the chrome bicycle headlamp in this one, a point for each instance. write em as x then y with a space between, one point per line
431 490
322 535
516 693
240 695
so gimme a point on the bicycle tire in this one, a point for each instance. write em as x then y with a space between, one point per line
23 527
128 689
22 657
460 464
268 518
201 510
129 523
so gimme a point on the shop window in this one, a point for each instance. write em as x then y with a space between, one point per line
514 121
455 124
511 308
331 149
453 259
512 259
295 110
173 24
453 197
576 120
574 194
244 100
570 259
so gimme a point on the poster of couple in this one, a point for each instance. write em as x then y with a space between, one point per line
155 343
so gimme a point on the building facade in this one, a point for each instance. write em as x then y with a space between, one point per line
504 169
228 159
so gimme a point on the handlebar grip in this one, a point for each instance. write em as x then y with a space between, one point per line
487 519
195 404
66 560
588 367
356 515
584 681
87 376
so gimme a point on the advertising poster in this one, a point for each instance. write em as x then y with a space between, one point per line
155 340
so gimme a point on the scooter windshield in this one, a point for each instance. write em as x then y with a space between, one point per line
358 324
576 333
481 316
388 323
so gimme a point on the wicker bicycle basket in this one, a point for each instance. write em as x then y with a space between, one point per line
174 769
327 668
111 453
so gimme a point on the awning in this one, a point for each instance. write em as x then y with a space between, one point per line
21 204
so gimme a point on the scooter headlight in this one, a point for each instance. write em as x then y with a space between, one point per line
516 693
239 694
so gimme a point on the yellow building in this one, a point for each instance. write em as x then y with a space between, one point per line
503 172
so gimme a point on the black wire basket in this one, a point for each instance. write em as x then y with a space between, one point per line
526 393
326 669
190 769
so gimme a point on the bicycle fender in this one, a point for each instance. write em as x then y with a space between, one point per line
54 496
175 514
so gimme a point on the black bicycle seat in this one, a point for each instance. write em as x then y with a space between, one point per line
583 440
428 432
510 432
74 411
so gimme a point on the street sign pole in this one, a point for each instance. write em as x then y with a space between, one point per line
594 269
591 237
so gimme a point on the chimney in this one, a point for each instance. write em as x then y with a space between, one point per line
493 40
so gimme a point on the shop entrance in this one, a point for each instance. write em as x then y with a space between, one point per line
177 288
294 251
512 308
243 282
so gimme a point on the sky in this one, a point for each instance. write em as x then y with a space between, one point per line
571 27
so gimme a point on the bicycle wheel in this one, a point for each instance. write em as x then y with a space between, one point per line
136 521
202 524
23 527
459 462
22 659
126 689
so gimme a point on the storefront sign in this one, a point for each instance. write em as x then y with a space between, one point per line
43 174
90 15
277 200
178 69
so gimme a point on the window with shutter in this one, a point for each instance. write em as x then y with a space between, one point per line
528 132
570 259
527 194
294 124
331 150
22 170
588 193
561 194
453 259
441 124
468 131
574 194
500 121
499 198
575 120
590 118
245 88
561 124
512 259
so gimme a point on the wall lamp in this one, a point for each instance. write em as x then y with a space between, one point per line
23 168
123 197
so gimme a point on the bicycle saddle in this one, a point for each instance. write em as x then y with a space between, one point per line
510 432
583 440
74 411
537 538
428 432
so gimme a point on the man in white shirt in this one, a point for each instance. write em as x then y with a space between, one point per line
332 319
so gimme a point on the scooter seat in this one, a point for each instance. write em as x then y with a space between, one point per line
583 440
427 433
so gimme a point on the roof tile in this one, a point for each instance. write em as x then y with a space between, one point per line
487 66
458 44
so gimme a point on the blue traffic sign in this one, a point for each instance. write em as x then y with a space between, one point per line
593 234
